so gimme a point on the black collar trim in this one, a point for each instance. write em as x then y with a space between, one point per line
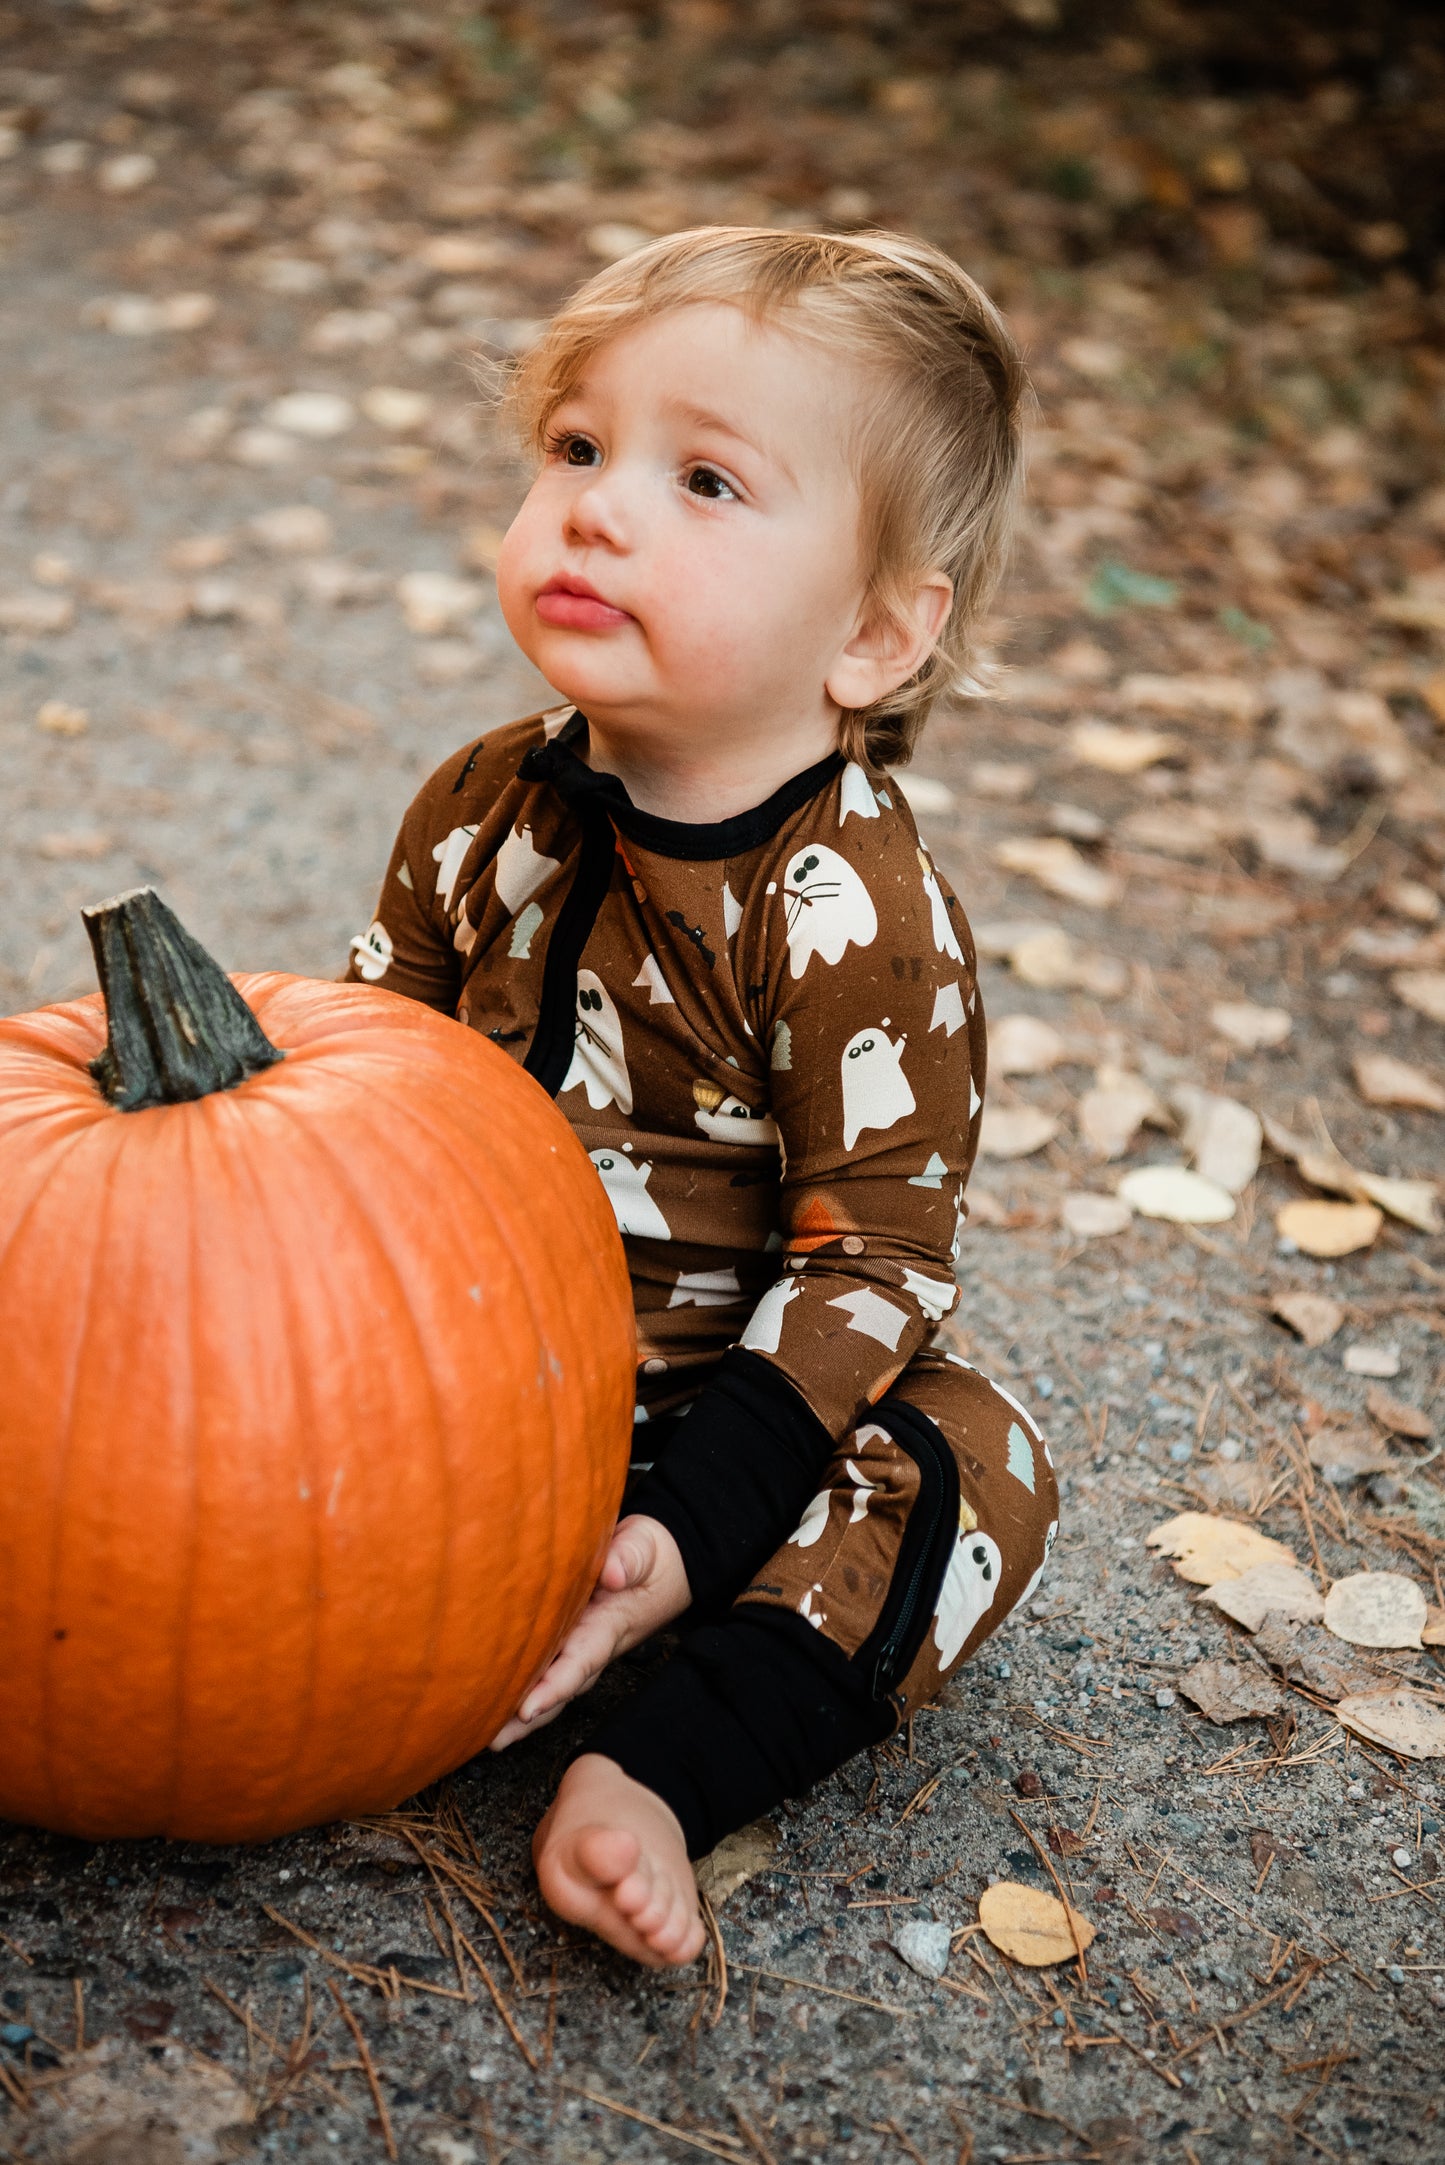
585 791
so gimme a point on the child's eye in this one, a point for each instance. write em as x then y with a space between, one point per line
572 449
706 481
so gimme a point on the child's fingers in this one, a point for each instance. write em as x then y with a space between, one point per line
629 1559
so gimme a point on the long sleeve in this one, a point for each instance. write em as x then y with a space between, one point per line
877 1053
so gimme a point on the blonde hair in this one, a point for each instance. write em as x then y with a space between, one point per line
938 453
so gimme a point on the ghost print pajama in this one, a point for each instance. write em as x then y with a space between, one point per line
767 1034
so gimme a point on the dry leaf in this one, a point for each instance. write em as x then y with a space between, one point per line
1253 1029
1283 1589
1343 1455
1400 1419
1308 1655
1022 1045
1223 1137
1008 780
1241 1487
396 410
1185 830
292 530
1111 1114
82 845
1190 696
1413 1202
1229 1691
317 415
1383 1080
1314 1317
1363 1360
737 1857
1116 750
1057 866
1424 990
1030 1926
1014 1131
1403 1721
58 718
1375 1608
1434 1631
925 797
1205 1549
1093 1217
436 602
1174 1193
33 613
1329 1229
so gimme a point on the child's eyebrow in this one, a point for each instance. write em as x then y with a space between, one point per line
703 417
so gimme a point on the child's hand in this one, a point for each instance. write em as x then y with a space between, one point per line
641 1587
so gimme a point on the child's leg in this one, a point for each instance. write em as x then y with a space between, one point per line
934 1520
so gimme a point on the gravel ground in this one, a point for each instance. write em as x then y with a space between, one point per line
238 714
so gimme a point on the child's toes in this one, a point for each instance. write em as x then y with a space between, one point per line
610 1857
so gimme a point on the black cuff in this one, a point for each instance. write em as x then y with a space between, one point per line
745 1713
733 1480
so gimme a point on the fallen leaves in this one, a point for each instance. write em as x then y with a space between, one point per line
142 315
1022 1045
1424 990
1173 1193
737 1858
1344 1455
36 614
1205 1549
1383 1080
436 602
1089 1216
1264 1589
1054 862
317 415
1226 1691
1111 1114
1403 1721
1014 1131
1375 1608
1251 1028
1400 1418
1368 1360
1045 957
1223 1137
1117 750
1194 697
1329 1229
1313 1317
1030 1926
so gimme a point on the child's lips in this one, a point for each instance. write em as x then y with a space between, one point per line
575 607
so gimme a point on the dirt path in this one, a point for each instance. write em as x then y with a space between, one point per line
1235 543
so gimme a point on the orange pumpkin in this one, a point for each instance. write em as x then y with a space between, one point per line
315 1396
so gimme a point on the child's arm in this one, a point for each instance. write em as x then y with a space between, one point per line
877 1084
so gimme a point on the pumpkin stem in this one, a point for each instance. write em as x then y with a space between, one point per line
178 1028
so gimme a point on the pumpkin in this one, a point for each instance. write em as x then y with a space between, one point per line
315 1398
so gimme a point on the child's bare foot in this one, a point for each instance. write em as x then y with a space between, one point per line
610 1855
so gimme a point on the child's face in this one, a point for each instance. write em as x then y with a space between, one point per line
697 481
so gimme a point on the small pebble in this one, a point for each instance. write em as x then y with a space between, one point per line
1164 1696
1044 1385
1400 1857
1181 1453
1395 1974
15 2034
1060 2018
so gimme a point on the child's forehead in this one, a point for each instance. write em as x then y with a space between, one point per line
714 363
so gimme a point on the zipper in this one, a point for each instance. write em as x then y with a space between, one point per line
927 1546
550 1053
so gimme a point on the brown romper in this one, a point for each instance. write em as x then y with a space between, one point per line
767 1033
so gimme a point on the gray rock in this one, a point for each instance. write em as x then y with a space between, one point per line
924 1946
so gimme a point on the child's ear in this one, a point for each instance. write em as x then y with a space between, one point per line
884 650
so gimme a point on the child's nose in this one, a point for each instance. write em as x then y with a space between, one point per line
598 512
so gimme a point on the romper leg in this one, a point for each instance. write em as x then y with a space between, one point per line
935 1519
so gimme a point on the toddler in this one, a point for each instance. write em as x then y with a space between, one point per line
777 471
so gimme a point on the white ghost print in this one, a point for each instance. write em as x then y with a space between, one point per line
932 1174
632 1206
373 951
827 907
732 911
932 1297
876 1092
1020 1456
969 1585
805 1608
863 1488
874 1317
948 1014
524 931
855 794
706 1289
765 1324
945 939
599 1060
734 1122
813 1521
652 978
521 869
1032 1586
449 856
